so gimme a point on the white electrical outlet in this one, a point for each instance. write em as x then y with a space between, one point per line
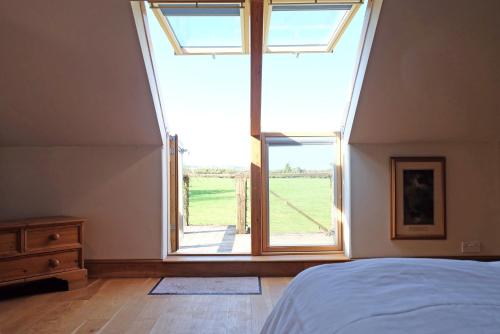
471 246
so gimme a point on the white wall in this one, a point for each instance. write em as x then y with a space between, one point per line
432 74
346 198
79 129
430 87
73 73
473 199
118 189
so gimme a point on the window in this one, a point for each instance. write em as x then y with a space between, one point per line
306 27
301 192
207 108
204 28
296 113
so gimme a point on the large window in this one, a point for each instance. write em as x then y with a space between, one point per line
302 55
206 106
304 100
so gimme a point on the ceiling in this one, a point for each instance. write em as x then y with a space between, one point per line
433 74
72 73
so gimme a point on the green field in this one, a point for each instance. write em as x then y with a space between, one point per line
212 201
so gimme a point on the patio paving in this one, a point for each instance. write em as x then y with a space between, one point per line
213 239
222 239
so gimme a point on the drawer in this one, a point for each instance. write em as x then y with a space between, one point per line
53 237
10 242
44 264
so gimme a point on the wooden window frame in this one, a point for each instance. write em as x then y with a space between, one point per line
173 220
337 204
336 35
256 51
180 50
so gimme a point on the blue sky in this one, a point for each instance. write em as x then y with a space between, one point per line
307 157
207 100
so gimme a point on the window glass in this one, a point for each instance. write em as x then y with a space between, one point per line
309 92
207 31
205 27
304 25
301 191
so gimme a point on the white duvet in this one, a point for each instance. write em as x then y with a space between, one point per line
391 296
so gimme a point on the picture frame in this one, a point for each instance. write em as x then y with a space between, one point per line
418 198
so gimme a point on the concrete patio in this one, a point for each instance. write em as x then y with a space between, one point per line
213 239
222 239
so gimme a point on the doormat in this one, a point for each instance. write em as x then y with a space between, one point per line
207 286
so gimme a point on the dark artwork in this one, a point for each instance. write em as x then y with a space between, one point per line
418 197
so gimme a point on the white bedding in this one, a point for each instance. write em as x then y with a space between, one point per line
391 296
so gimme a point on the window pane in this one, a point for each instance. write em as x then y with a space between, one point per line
205 27
300 193
304 25
207 31
309 92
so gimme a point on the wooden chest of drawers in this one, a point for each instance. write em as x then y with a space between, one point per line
38 248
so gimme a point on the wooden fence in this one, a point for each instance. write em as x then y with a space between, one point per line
241 204
241 182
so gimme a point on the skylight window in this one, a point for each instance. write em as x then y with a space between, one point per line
204 28
305 28
290 26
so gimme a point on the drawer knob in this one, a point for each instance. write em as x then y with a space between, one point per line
54 236
54 263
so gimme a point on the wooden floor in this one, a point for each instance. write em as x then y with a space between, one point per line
124 306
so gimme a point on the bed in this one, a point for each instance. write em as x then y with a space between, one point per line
391 296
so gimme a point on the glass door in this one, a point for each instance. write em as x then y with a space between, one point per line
301 192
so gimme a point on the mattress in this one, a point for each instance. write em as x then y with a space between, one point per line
391 296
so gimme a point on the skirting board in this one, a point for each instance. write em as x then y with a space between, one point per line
203 266
482 258
211 266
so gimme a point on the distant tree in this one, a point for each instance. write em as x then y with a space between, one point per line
212 170
288 168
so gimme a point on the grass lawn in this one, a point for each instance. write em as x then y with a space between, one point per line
212 201
310 195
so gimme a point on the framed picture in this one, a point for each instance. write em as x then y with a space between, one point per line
418 198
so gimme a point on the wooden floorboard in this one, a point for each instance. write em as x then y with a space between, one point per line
124 306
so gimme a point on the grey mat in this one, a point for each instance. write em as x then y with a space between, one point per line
207 286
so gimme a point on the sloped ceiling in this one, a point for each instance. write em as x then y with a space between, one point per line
433 74
72 73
